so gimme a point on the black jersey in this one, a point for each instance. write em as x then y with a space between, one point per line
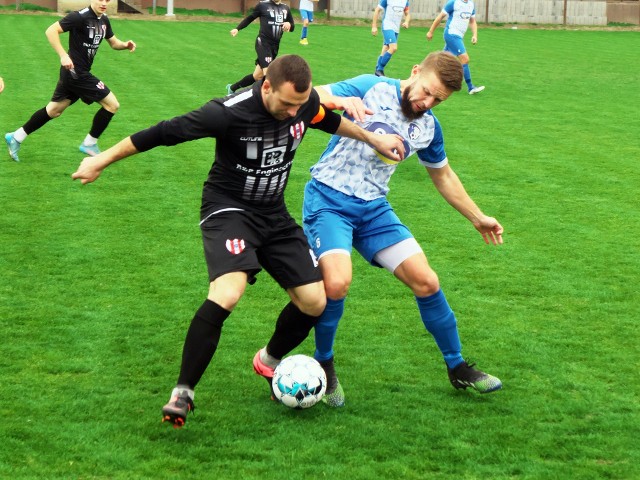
272 16
86 31
254 151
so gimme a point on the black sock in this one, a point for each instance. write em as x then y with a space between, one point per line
201 342
292 328
100 122
244 82
37 120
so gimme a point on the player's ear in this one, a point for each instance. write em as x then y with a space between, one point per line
415 70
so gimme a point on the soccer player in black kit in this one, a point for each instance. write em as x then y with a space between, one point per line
244 220
87 28
275 19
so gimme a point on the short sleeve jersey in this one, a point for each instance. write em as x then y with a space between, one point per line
353 167
394 10
254 151
460 12
272 16
306 5
86 31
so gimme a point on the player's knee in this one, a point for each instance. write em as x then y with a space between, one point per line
337 288
425 284
392 48
313 306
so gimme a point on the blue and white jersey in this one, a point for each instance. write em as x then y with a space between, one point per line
393 13
306 5
353 167
460 12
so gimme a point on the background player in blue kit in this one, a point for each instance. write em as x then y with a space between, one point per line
392 13
87 28
306 12
345 207
461 15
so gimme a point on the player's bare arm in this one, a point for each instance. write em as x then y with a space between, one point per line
434 25
450 187
389 145
91 167
53 35
352 105
374 22
117 44
474 30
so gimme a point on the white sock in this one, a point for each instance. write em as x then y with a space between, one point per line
267 359
89 140
20 135
182 388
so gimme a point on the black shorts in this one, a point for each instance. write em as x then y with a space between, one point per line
267 52
242 241
82 86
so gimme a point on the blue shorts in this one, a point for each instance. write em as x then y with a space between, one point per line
389 36
335 221
453 44
306 15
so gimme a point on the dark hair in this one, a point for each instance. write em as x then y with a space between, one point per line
447 68
290 68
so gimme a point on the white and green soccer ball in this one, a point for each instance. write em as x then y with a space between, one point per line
299 382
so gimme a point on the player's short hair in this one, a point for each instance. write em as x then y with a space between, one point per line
447 68
290 68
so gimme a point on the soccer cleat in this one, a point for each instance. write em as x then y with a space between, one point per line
380 73
91 150
464 375
474 90
177 409
229 91
304 41
264 371
14 146
334 395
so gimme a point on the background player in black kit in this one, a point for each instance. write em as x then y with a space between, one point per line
87 28
244 220
275 19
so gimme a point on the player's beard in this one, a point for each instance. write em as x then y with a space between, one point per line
407 108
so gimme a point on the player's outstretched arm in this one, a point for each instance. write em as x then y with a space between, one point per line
389 145
435 24
91 167
452 190
118 44
354 106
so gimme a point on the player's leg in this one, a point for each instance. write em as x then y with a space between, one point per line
437 316
39 118
102 118
473 89
265 55
388 49
305 14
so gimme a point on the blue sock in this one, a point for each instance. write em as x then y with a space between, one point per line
326 328
467 75
440 321
383 60
304 33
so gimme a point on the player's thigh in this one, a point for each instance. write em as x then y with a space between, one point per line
337 273
230 241
110 103
309 298
286 255
227 289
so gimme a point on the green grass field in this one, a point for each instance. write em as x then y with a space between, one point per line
98 283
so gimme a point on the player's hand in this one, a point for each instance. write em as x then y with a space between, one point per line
89 170
405 24
390 145
429 36
286 27
374 31
490 230
66 62
354 107
130 45
234 32
474 39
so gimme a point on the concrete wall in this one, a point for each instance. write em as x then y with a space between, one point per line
71 5
624 12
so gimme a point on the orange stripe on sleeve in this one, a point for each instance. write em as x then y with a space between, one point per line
319 116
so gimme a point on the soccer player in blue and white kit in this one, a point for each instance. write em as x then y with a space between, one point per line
394 11
306 12
462 15
345 207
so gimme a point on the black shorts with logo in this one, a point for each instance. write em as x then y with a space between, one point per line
267 52
241 241
83 86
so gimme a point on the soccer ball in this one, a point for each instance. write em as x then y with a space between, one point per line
299 382
381 129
